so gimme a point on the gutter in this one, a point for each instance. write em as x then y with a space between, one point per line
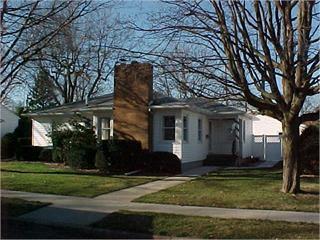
65 113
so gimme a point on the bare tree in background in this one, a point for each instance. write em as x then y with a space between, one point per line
265 52
176 77
80 58
18 18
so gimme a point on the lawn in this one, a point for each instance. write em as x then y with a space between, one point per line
253 189
13 207
55 179
206 227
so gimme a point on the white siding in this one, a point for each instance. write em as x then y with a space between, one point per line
42 126
40 130
9 121
264 125
158 143
193 149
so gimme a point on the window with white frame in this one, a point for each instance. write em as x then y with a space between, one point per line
200 130
105 128
169 124
185 129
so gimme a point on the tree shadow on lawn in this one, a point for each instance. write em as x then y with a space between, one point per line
309 192
96 174
52 172
128 222
243 176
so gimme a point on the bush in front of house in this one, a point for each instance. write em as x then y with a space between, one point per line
309 150
161 163
45 155
118 156
8 145
74 143
28 153
60 140
101 162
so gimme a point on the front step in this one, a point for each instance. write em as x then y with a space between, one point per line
220 160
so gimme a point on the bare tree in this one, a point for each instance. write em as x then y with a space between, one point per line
81 57
18 18
177 78
265 52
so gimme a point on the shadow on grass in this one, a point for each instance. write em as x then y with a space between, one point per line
19 229
247 176
128 222
309 192
96 174
52 172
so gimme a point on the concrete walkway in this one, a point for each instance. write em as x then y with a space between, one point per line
81 211
84 211
264 164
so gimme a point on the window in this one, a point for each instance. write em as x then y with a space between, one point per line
105 128
200 130
185 129
243 130
169 127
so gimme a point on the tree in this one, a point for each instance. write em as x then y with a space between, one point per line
80 58
265 52
18 19
42 95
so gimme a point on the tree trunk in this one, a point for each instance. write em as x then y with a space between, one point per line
290 153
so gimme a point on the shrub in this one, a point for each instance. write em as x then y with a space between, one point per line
24 128
309 150
100 161
81 157
8 145
24 141
161 163
28 153
119 156
45 155
76 146
61 143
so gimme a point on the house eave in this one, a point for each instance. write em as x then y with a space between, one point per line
70 113
169 107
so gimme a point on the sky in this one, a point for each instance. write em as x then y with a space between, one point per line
134 10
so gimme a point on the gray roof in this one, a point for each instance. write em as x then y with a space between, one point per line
105 102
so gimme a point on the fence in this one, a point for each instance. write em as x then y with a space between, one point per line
267 147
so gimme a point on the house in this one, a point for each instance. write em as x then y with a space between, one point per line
189 128
8 120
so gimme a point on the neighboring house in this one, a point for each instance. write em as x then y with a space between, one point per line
191 129
8 120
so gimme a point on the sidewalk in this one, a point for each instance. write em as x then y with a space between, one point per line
82 211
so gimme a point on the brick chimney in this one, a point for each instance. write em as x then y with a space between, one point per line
133 90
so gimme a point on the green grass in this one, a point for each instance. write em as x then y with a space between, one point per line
206 227
253 189
13 207
54 179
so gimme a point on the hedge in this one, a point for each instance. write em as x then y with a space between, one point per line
28 153
161 163
8 145
309 150
118 156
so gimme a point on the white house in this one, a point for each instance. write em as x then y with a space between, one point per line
8 120
190 128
